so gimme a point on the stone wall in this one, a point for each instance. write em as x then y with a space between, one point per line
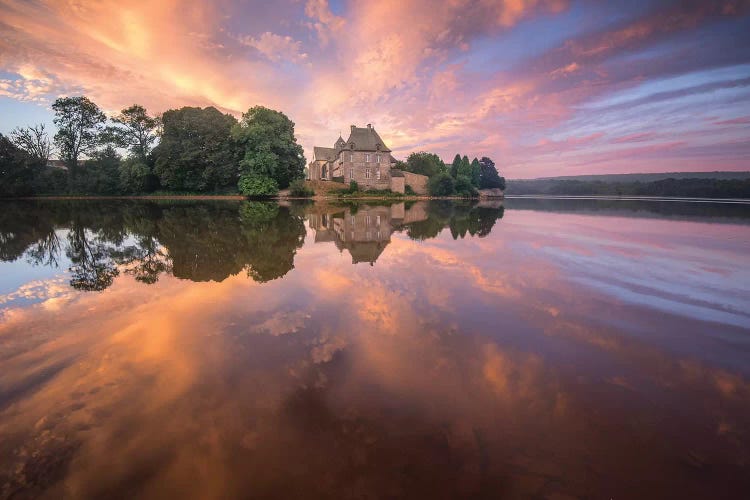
491 193
397 184
356 164
417 182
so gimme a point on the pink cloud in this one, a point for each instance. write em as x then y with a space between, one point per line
734 121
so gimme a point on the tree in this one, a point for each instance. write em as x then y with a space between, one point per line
489 176
465 168
80 123
464 187
134 176
135 130
423 163
455 165
269 148
102 173
16 174
476 172
257 185
34 140
441 184
196 151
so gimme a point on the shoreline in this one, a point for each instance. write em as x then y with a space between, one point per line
238 197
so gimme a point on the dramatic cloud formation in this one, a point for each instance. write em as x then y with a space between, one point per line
545 87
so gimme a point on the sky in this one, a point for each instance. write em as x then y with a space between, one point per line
543 87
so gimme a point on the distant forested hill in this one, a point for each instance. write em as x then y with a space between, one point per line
651 177
674 184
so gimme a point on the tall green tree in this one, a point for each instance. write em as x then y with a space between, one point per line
136 130
455 165
423 163
79 125
465 168
196 151
490 178
34 140
269 148
476 173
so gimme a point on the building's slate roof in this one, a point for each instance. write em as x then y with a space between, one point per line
320 153
366 139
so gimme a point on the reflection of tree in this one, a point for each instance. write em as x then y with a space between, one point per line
92 266
146 260
46 251
21 227
272 236
460 217
477 221
199 241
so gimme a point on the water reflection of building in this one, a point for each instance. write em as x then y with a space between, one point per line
363 231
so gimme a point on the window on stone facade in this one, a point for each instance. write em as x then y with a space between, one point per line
377 158
377 174
351 156
367 173
367 220
352 220
351 173
367 157
377 220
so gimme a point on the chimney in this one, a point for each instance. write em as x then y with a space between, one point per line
353 127
369 125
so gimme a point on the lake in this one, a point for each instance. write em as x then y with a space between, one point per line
519 349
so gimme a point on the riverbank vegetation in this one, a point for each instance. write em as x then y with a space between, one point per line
185 150
462 178
686 187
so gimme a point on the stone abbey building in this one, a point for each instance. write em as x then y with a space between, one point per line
363 158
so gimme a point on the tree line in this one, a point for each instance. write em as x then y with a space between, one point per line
199 150
462 178
687 187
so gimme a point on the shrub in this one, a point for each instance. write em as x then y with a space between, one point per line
299 189
353 187
256 185
464 187
409 190
134 177
442 185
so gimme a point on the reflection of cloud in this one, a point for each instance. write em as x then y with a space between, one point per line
161 377
52 293
283 323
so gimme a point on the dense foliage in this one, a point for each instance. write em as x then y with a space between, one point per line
257 185
488 176
423 163
441 185
16 170
268 146
687 187
196 152
299 189
466 178
199 150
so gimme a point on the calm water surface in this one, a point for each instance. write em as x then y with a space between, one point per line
541 349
